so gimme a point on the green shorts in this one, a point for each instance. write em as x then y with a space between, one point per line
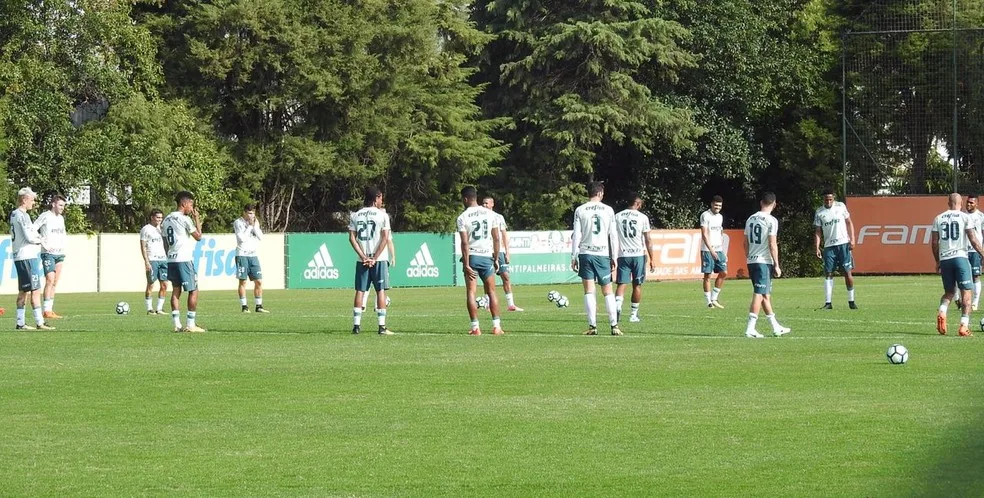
248 266
761 276
28 274
975 262
376 276
597 268
503 266
49 261
631 270
956 273
483 266
708 265
158 272
838 256
182 274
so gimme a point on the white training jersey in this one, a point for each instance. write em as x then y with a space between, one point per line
247 237
25 241
759 227
978 217
177 229
632 227
833 224
501 225
368 224
477 223
51 228
715 230
952 226
154 242
594 230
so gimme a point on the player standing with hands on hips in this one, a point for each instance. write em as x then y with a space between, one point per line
762 255
248 236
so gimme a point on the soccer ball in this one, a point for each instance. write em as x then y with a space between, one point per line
122 308
562 302
982 324
553 296
897 354
482 302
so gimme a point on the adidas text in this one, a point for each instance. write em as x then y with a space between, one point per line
423 271
321 273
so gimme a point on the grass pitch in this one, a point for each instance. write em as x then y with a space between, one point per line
291 403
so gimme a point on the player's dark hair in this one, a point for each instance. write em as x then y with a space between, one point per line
155 212
829 191
469 193
633 197
182 196
55 198
372 193
767 199
249 207
971 195
717 198
595 188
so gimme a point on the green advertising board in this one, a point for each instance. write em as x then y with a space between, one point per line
539 257
320 261
423 260
327 261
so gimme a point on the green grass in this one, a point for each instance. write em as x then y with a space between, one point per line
683 405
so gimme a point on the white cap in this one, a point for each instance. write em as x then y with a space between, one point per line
26 191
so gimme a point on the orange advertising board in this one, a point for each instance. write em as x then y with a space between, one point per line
893 233
677 254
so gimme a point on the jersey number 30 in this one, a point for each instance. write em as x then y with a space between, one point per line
950 231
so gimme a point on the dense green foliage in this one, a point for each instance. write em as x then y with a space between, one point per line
292 404
299 105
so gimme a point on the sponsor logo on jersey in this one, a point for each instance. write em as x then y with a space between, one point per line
422 264
321 266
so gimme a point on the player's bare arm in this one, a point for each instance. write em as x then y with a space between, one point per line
496 246
934 244
817 237
850 232
705 239
470 273
774 251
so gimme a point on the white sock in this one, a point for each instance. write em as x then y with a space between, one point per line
176 317
707 295
964 320
977 292
752 320
49 304
715 293
259 300
37 316
191 318
496 322
356 316
591 308
612 310
828 289
618 302
850 294
242 300
160 303
21 316
381 317
635 309
943 308
474 324
509 299
147 301
773 321
365 299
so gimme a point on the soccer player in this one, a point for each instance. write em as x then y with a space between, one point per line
369 233
953 230
25 247
594 251
712 256
248 236
479 233
972 255
181 231
503 272
155 260
633 242
51 227
833 225
762 255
